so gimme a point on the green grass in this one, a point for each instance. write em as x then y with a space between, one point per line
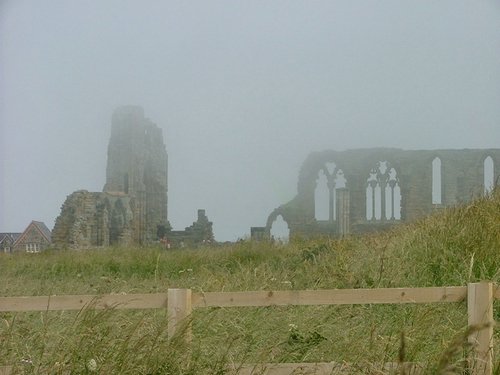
454 247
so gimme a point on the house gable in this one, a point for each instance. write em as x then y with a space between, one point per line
35 238
7 241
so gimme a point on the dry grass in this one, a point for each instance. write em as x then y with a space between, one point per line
457 246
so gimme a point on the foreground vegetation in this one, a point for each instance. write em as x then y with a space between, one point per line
453 247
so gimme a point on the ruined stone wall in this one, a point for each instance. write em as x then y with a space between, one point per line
134 202
200 233
377 188
137 166
132 209
90 219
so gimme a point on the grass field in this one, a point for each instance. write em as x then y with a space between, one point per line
453 247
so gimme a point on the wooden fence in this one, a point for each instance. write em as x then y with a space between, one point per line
180 302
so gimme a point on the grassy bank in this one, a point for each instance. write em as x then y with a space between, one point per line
453 247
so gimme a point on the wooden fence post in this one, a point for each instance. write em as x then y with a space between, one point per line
480 314
179 308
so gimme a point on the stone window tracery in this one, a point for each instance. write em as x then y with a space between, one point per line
330 178
383 193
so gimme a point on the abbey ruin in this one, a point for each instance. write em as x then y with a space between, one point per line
132 209
338 193
359 191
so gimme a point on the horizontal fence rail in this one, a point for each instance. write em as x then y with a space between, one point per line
241 299
330 297
180 302
78 302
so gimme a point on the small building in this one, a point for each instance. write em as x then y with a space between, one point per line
7 241
35 238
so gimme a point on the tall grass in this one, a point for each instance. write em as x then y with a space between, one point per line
454 247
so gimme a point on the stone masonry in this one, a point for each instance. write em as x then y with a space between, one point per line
358 191
132 209
137 166
198 233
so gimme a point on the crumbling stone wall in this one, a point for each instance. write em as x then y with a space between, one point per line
197 234
374 189
137 166
94 219
132 209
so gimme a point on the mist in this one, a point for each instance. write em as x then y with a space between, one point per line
243 91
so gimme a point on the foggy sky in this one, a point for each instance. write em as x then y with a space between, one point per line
243 90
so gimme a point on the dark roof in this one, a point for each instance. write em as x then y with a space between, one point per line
12 236
43 228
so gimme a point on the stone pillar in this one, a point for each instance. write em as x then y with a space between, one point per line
343 211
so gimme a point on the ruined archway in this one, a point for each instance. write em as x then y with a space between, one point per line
280 230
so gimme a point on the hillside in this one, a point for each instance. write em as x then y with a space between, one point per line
452 247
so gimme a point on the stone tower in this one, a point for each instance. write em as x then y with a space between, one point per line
133 206
137 166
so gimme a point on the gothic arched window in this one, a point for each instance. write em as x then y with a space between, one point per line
383 193
489 175
322 198
436 181
330 178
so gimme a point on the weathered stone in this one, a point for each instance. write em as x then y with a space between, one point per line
133 207
137 166
200 233
374 189
94 219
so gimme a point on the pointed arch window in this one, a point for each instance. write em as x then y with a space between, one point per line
436 181
383 193
330 178
322 198
489 175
